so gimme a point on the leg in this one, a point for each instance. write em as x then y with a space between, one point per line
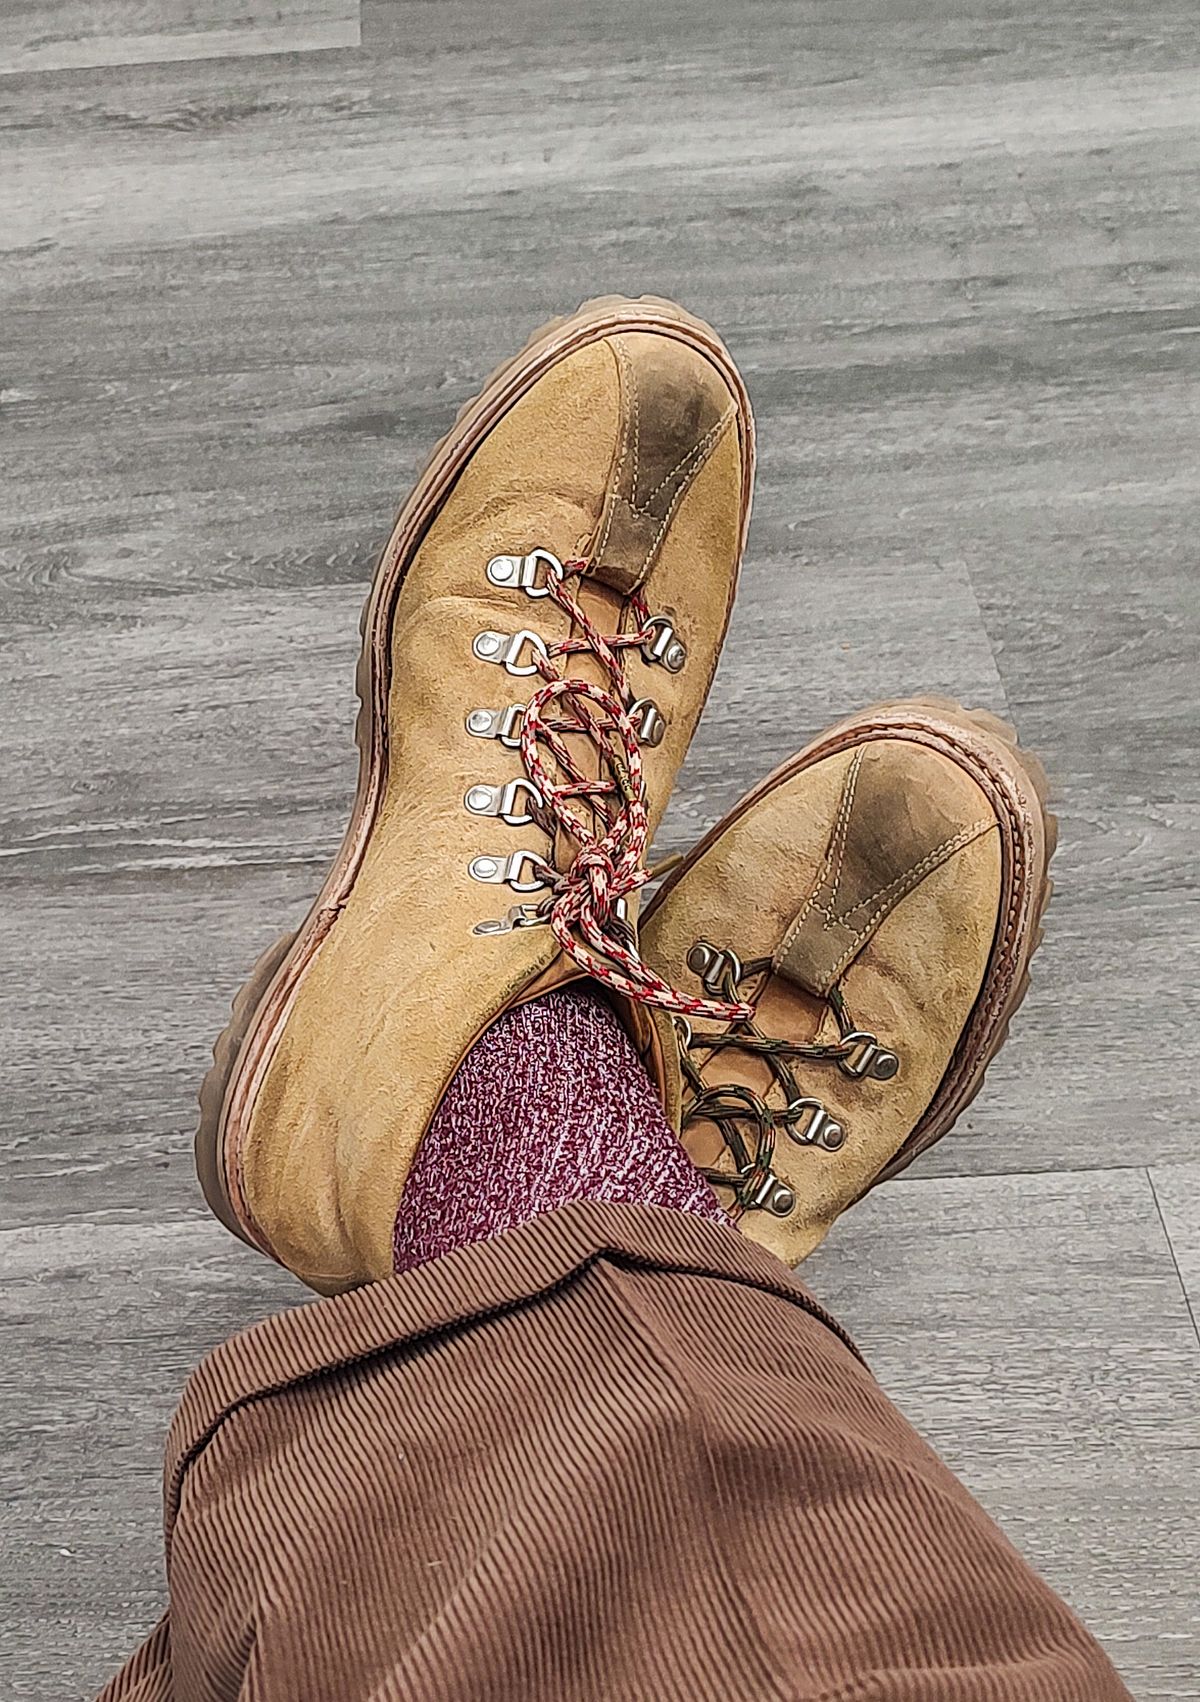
587 1440
616 1452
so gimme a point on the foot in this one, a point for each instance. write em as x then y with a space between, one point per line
877 900
538 645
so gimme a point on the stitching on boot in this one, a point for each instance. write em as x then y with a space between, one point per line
945 852
626 385
911 877
718 431
633 427
635 421
843 832
914 875
701 447
631 447
834 855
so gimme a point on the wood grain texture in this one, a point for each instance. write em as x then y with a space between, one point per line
956 253
240 302
62 35
1034 1330
110 1319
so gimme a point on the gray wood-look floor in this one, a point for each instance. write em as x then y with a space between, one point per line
957 252
65 35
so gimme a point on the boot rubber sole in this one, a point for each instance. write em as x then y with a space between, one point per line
243 1050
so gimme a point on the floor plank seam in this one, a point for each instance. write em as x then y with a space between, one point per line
1183 1288
912 1178
993 652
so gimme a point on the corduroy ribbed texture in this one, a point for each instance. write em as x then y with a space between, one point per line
619 1453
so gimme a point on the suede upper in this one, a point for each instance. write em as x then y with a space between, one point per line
631 451
890 833
876 869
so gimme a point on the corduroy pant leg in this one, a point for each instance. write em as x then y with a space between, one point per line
618 1455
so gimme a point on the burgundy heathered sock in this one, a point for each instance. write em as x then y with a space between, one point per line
551 1105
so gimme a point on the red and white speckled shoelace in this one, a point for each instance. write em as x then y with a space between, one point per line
583 908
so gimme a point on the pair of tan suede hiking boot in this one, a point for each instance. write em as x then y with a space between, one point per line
816 989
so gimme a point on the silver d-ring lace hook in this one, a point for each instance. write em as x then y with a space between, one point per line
520 573
506 647
867 1057
523 871
513 802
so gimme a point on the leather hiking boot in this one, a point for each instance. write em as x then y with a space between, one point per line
538 644
877 900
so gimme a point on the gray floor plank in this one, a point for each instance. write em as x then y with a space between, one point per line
162 980
106 1320
64 35
957 259
1034 1330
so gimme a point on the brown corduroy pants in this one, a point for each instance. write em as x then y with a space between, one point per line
618 1453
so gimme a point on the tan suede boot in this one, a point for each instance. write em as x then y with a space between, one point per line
877 899
538 645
